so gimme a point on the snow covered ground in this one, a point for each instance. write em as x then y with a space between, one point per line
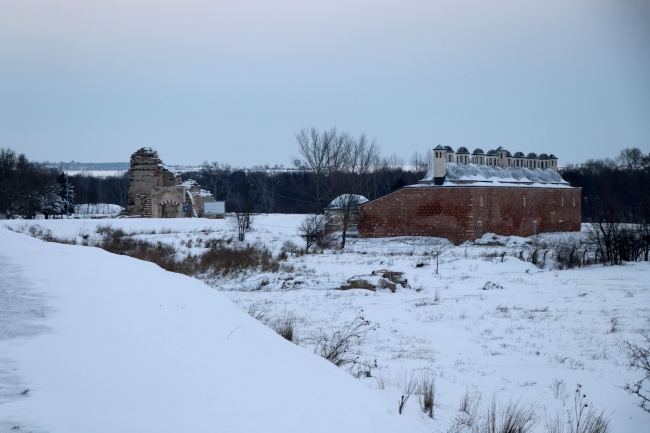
94 342
534 339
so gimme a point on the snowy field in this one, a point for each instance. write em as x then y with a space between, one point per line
533 336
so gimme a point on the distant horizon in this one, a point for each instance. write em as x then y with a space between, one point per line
271 166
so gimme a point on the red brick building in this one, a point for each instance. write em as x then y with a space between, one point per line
462 201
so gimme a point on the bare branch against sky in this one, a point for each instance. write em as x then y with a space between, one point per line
233 80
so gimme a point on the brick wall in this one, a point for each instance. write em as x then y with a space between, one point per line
454 212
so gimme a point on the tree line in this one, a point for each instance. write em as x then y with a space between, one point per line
28 188
614 189
328 164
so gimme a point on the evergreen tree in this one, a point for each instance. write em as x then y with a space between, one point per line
66 194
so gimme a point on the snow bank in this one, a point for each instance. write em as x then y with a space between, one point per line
125 346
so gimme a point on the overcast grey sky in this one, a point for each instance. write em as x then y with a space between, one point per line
234 80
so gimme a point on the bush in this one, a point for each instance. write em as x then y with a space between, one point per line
312 229
286 326
258 311
514 417
221 259
639 359
584 418
569 253
428 395
336 347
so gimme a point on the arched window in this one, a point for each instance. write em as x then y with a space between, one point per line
481 200
524 201
574 201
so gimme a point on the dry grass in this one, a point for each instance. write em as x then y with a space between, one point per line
222 258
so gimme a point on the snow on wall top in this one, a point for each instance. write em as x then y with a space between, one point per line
471 173
173 171
343 199
192 183
145 152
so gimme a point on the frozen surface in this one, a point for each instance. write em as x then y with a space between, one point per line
543 326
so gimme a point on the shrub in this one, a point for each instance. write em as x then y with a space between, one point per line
514 417
312 229
428 395
408 388
258 311
470 407
569 253
221 259
336 347
584 418
286 326
639 359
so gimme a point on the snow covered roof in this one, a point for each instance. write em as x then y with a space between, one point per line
478 151
488 175
190 183
173 171
342 200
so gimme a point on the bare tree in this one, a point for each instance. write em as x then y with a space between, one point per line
323 154
351 180
217 178
312 229
266 183
630 157
602 235
420 163
241 219
341 166
437 247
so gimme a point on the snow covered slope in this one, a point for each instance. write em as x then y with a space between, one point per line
95 342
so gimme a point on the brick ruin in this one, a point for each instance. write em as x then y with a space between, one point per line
157 191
